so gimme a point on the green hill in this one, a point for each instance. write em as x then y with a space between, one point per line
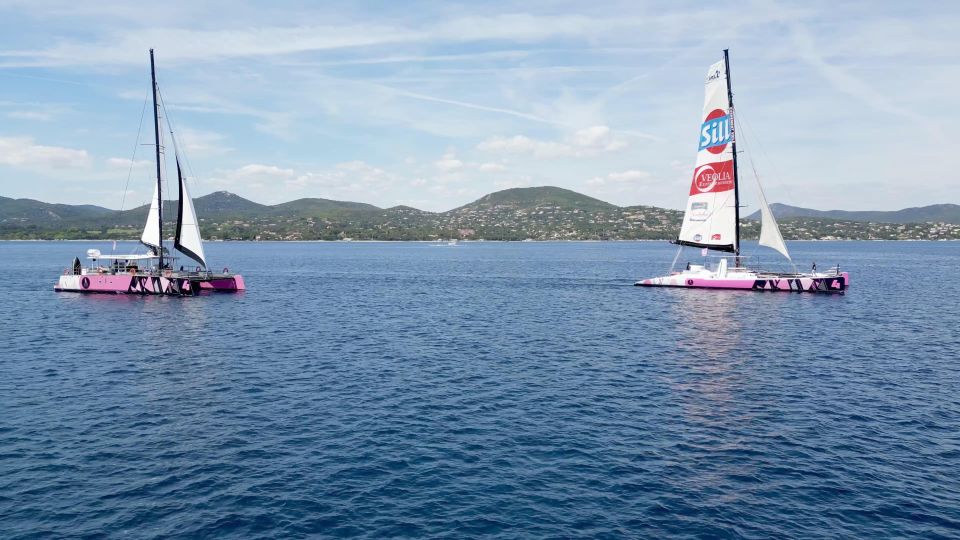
938 213
528 198
540 213
318 207
27 212
224 203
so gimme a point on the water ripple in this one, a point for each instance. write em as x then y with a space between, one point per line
515 390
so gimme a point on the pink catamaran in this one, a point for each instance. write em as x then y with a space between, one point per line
155 272
712 217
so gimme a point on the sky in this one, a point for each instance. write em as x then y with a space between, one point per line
840 105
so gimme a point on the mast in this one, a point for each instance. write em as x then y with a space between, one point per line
736 180
156 138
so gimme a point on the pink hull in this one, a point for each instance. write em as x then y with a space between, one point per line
147 284
825 284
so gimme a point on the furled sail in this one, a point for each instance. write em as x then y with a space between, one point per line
710 217
151 231
769 230
188 240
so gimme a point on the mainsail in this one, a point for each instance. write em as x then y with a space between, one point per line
188 240
710 219
151 231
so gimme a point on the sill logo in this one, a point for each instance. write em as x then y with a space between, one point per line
715 132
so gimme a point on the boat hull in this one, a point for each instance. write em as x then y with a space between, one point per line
146 284
836 284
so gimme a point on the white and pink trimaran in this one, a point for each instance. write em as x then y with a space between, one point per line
712 217
156 272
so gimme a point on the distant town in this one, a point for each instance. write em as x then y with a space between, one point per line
544 213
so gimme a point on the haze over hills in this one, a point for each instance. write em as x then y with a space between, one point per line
512 214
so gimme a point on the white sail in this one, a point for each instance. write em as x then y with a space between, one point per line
151 231
188 240
769 230
710 215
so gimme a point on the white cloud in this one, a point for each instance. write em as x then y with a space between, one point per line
629 176
201 143
491 167
125 164
22 152
360 167
354 180
257 170
30 115
586 142
598 138
520 144
449 163
625 177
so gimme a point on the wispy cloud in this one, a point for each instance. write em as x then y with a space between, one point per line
439 103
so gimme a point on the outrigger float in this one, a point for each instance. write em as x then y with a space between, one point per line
154 273
712 217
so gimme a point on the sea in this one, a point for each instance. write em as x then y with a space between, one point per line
508 390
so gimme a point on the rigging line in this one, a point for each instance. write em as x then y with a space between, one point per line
173 138
675 257
763 197
136 143
776 173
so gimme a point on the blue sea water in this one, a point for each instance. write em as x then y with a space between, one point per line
492 389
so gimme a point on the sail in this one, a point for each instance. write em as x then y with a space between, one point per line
151 231
188 240
769 230
710 218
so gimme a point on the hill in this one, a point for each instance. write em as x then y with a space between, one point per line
534 197
540 213
936 213
317 207
224 203
28 212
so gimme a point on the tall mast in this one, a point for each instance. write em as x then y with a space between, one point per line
156 139
736 180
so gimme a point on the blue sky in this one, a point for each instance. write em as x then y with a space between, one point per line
432 104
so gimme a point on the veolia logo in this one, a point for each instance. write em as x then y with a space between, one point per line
706 178
712 178
715 132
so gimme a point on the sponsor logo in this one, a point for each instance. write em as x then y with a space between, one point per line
716 132
712 178
715 237
697 238
699 211
714 75
85 283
